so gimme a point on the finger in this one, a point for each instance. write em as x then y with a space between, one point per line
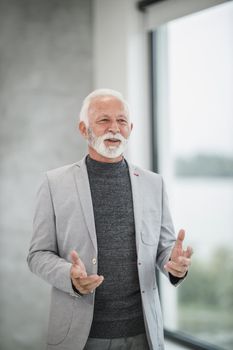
175 272
183 261
188 252
87 288
177 267
89 280
91 286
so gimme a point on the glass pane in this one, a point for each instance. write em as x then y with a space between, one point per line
200 66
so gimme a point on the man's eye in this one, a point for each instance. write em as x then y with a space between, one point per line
122 121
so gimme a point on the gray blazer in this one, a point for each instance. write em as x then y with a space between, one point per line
64 221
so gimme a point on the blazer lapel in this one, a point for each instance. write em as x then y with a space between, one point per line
137 200
84 193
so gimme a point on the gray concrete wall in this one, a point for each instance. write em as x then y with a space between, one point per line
45 72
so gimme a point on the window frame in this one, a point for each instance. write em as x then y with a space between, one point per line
177 337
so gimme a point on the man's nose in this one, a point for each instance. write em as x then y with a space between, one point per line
114 127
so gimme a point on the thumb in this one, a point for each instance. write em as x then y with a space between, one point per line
178 249
74 257
180 238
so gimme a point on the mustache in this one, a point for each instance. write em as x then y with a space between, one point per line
106 136
110 135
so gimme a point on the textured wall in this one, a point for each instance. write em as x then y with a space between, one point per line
45 72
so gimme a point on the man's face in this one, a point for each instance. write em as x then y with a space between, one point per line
108 129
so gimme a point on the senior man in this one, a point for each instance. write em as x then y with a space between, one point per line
101 228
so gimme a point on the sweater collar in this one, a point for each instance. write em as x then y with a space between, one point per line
101 167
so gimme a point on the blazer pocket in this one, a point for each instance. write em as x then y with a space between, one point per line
148 238
151 225
61 315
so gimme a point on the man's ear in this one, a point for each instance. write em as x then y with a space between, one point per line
131 126
83 129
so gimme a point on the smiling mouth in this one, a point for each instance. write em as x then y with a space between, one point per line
112 140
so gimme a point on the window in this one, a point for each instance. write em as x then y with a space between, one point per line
193 105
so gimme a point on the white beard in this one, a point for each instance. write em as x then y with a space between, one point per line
99 146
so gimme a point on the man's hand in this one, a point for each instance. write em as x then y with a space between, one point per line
180 259
83 283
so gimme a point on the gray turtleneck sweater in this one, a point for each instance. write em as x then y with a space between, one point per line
118 307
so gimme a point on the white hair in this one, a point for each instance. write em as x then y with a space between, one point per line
83 116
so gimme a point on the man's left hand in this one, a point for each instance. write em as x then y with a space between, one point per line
180 259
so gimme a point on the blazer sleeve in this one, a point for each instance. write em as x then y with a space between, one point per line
43 258
167 238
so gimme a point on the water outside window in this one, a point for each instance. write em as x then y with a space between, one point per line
200 84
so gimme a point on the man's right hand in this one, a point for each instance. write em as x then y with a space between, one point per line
83 283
